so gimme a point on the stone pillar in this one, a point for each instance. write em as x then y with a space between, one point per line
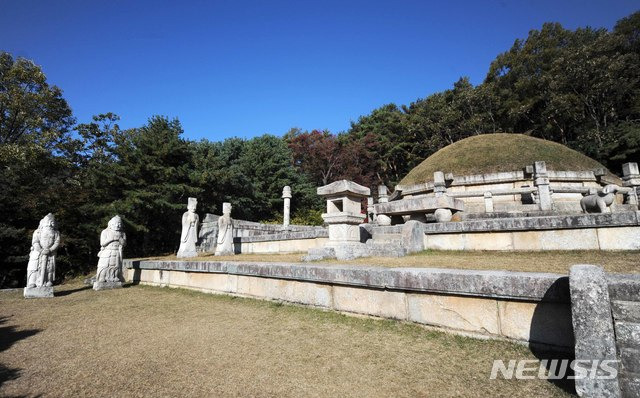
439 185
286 195
488 202
383 197
631 179
541 181
371 212
343 210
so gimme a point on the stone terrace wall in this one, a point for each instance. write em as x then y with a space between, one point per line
527 307
608 231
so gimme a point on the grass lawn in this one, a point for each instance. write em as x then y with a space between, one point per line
550 261
146 341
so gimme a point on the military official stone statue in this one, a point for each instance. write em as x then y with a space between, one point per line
41 269
189 236
224 244
112 242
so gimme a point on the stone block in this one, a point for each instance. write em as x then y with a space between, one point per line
527 240
626 310
628 333
107 285
620 238
469 314
570 239
38 292
592 326
541 322
382 303
630 359
213 282
489 241
290 291
630 387
444 242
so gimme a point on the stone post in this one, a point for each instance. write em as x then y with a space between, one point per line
439 185
286 195
541 181
631 179
488 202
383 197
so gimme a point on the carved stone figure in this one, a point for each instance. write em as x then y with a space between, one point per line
599 202
224 244
112 241
189 236
42 259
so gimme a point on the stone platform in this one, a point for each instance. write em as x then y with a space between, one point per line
106 285
38 292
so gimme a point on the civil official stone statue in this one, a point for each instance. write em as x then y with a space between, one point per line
189 236
41 269
112 242
224 244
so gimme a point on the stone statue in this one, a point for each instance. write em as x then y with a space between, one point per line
189 236
599 202
41 268
224 244
112 241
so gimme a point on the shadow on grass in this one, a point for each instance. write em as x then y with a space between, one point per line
551 322
9 336
71 291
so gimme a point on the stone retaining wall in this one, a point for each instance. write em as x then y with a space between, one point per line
609 231
527 307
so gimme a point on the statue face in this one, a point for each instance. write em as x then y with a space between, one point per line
115 224
191 208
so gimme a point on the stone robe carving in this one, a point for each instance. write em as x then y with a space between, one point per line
41 269
599 202
112 242
189 236
224 243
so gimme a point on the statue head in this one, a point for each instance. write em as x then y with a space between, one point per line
611 188
49 221
192 203
115 223
226 208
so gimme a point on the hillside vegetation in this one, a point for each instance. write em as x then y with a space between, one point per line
492 153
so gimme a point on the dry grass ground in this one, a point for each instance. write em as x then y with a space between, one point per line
556 261
144 341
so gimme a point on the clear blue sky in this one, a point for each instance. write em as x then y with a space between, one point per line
244 68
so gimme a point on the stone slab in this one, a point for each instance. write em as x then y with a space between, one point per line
593 327
628 333
343 187
626 310
538 322
622 238
380 303
107 285
630 359
38 292
469 314
529 286
426 204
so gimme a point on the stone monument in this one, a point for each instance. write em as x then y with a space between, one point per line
224 244
286 195
383 197
112 242
599 202
41 268
189 236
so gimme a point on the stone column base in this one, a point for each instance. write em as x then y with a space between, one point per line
106 285
38 292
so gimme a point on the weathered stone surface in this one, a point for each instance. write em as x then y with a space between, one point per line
189 236
630 387
470 314
496 284
537 223
112 242
370 302
592 326
38 292
621 238
224 243
107 285
343 187
626 310
630 359
412 237
624 287
425 204
41 268
443 215
628 333
538 322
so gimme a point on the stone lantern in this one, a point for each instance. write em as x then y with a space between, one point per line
343 210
